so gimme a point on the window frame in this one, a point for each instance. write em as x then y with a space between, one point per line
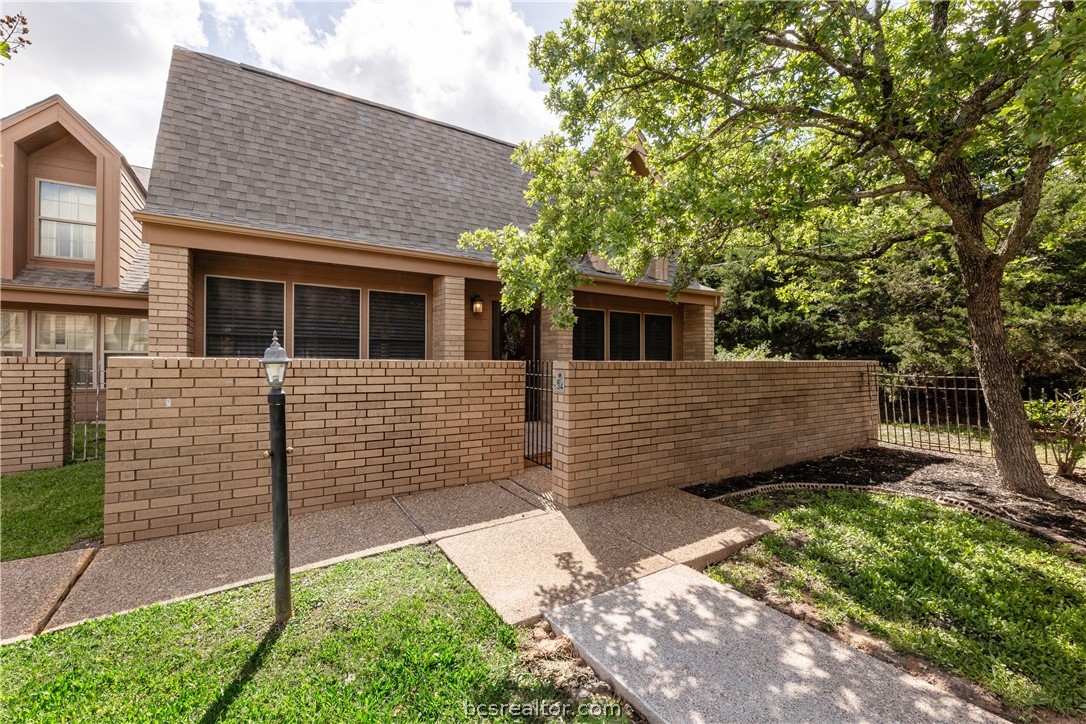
281 282
34 352
22 351
38 218
640 335
645 337
426 314
106 354
362 300
606 335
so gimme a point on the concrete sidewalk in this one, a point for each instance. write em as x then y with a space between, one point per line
681 647
522 552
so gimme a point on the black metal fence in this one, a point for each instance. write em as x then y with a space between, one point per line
538 405
944 413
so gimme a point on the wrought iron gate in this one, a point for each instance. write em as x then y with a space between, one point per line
538 403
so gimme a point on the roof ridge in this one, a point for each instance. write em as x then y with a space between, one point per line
346 96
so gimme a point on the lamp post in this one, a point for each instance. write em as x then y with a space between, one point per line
275 364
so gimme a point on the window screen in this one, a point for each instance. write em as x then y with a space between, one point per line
658 337
397 326
588 335
625 336
326 322
12 332
66 218
67 335
241 316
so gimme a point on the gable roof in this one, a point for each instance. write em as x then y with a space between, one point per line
242 146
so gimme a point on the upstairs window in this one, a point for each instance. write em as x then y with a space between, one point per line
625 336
658 337
397 325
66 221
13 333
326 322
241 316
588 335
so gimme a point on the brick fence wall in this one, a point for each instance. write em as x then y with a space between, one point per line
185 436
622 427
35 413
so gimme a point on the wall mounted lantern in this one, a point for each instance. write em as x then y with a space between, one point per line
476 305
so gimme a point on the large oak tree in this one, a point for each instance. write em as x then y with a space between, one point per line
831 130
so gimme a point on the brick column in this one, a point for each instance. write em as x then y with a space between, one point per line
554 344
449 303
698 339
171 324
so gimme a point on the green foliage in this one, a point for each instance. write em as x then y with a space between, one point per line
1062 420
999 607
397 637
906 308
46 511
821 129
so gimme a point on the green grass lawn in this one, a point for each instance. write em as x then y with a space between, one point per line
982 600
46 511
397 637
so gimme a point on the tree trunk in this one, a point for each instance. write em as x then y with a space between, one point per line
1012 442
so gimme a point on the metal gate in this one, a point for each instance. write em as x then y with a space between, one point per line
538 404
88 415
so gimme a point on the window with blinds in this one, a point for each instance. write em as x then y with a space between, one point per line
658 337
327 322
625 331
241 315
397 326
588 335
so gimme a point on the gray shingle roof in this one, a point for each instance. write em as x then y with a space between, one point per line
239 145
134 281
143 174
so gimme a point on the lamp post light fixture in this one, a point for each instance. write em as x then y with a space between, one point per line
476 305
275 365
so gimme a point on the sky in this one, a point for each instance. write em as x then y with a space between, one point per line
464 63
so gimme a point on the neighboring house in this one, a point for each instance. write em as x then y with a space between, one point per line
73 268
277 205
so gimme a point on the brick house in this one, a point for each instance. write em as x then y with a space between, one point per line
73 265
277 205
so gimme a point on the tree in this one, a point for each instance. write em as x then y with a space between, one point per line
907 308
13 32
826 130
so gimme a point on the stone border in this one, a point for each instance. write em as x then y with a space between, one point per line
938 499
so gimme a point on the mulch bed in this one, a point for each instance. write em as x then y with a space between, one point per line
968 481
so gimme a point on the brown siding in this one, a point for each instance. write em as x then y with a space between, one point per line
626 427
35 413
132 199
477 330
185 436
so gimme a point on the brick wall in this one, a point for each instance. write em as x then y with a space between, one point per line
35 413
171 324
447 319
622 427
185 436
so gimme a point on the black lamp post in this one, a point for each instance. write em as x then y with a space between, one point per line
275 364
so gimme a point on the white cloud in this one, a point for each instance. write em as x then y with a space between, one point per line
108 60
463 64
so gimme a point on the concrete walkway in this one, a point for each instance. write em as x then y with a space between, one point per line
681 647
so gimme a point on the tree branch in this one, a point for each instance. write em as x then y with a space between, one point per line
876 250
1040 158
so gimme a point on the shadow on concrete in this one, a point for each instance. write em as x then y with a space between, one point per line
218 708
682 647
